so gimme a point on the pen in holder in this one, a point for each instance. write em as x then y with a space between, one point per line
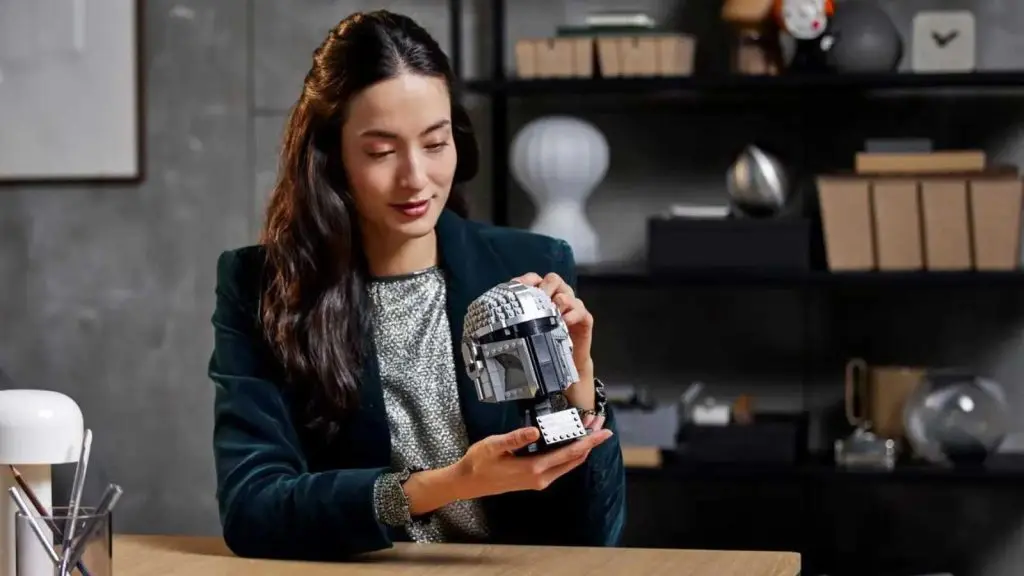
91 547
38 428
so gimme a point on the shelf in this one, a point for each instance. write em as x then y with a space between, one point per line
1000 468
746 86
639 275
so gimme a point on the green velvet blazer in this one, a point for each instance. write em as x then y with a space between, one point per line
285 492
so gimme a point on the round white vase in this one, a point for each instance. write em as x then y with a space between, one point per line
559 161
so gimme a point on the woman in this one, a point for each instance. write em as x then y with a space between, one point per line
342 422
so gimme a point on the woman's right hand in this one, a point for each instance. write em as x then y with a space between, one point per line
490 467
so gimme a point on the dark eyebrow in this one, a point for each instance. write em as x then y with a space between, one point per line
392 136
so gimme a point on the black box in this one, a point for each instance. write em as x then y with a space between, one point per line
675 243
770 438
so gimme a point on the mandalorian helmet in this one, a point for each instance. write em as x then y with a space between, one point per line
516 346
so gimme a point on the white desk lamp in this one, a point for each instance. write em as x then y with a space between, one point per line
38 428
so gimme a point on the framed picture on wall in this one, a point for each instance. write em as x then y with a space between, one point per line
70 90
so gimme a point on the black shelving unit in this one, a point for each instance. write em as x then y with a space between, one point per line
500 89
807 480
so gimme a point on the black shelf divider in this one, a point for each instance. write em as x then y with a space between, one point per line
747 86
1000 468
499 118
640 275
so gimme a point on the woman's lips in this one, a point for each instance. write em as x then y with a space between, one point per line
413 209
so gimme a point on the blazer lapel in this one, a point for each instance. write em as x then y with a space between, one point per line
471 268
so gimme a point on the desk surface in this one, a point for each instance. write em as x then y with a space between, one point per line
191 556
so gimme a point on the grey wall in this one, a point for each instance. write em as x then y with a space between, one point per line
107 290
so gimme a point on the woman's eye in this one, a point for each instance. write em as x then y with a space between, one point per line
379 154
436 147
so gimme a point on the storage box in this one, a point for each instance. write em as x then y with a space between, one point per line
995 221
920 163
646 55
770 438
675 244
945 218
555 57
943 223
847 222
896 209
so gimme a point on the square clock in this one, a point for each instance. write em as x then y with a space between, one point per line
943 41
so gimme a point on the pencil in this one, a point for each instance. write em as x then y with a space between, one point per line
41 510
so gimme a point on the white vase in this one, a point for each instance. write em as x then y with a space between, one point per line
559 161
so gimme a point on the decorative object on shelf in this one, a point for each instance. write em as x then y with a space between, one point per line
705 210
956 417
757 183
809 23
865 39
875 396
944 41
865 449
756 49
618 19
559 161
47 55
38 428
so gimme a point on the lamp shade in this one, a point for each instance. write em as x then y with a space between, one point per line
39 427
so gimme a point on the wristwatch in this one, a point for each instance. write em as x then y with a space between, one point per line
600 400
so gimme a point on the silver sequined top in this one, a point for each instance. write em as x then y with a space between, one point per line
417 371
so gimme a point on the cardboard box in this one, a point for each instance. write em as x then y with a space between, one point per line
941 223
996 203
646 56
847 222
896 210
916 164
945 218
555 58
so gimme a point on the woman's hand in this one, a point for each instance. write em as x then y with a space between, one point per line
580 323
490 467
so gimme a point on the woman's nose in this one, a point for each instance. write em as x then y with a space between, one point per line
413 173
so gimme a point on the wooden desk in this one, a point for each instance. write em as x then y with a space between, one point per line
189 556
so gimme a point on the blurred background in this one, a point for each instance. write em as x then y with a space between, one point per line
138 140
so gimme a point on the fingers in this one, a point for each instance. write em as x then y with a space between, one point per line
588 420
513 440
574 312
557 472
577 449
529 279
552 284
593 423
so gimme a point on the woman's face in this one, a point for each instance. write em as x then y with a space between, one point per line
399 155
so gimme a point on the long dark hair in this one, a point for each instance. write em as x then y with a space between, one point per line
313 308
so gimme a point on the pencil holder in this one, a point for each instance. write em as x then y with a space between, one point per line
38 428
89 554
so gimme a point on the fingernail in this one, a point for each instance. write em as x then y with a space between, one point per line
589 430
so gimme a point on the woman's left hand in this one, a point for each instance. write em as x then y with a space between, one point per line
580 323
